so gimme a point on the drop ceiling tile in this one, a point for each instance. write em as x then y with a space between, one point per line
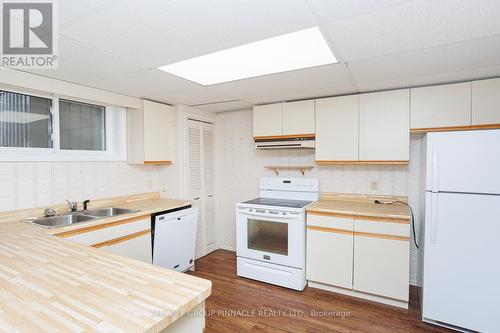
144 82
298 95
328 10
80 63
431 79
196 96
224 106
414 25
160 86
409 68
72 11
162 32
303 83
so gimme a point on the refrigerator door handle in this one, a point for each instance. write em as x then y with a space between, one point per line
435 167
434 217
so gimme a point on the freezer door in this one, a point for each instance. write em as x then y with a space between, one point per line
461 269
467 161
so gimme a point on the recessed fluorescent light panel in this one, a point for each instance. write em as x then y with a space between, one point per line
301 49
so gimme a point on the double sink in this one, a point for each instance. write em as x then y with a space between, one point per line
79 216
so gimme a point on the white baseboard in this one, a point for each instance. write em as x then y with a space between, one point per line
359 294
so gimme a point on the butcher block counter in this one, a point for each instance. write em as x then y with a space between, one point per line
360 205
48 283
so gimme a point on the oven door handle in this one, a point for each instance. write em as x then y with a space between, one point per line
268 215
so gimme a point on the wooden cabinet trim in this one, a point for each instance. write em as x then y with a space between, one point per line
359 162
361 217
122 239
91 228
157 162
382 219
382 236
454 128
321 213
291 136
333 230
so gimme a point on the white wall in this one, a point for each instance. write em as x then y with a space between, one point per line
240 165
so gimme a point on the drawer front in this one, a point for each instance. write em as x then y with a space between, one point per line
324 220
383 228
105 234
275 274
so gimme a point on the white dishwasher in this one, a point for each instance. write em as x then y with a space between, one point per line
175 239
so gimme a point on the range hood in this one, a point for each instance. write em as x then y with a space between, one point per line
285 142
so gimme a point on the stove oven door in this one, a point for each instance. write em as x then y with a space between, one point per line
271 235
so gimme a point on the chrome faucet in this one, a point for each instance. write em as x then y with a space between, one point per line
85 203
73 205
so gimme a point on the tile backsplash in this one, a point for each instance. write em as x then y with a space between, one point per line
34 184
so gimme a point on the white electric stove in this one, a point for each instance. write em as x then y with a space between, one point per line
271 231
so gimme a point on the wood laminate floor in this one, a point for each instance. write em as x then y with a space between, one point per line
243 305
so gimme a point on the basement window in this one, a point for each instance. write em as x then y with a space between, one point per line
82 126
43 127
25 121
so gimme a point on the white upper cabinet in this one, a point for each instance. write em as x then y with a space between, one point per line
159 132
384 133
337 128
268 120
298 118
486 102
284 119
441 106
151 134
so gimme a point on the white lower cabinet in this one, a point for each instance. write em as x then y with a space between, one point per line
329 249
131 239
381 267
138 248
329 258
362 258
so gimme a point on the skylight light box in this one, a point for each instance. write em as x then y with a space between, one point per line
301 49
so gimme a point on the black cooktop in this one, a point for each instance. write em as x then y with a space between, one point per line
279 202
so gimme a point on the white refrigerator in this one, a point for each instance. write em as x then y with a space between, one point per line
461 285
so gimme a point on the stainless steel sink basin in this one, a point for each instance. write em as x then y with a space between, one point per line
79 216
107 212
61 220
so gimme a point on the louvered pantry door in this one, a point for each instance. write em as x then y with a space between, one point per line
201 181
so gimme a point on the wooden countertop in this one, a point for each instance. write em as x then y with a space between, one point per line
360 205
48 283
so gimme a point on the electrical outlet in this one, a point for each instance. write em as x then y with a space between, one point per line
374 185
